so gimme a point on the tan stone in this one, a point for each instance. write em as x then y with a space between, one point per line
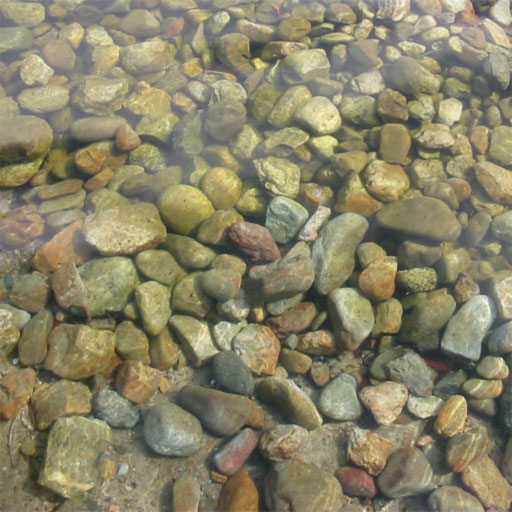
452 417
479 138
484 480
137 381
385 401
239 494
385 181
149 100
377 280
369 450
15 391
495 180
66 246
99 180
90 160
317 343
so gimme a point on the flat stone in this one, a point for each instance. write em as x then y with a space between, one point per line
319 115
411 370
395 143
294 320
495 180
239 493
221 413
295 404
188 252
76 351
186 493
452 416
92 129
284 218
482 388
255 241
484 479
304 66
466 330
232 374
407 473
147 56
195 338
422 216
500 339
153 302
333 252
258 347
189 297
500 292
20 226
170 430
424 407
15 391
111 407
501 137
159 265
351 316
462 449
221 284
58 400
301 486
75 446
222 186
33 344
409 77
338 399
44 99
15 39
125 229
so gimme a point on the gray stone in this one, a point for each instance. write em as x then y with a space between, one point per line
100 95
409 77
225 119
450 497
411 370
15 39
319 115
284 218
111 407
232 374
75 446
425 406
195 338
93 129
333 252
170 430
235 309
501 226
338 399
41 100
304 66
33 343
360 110
501 138
500 340
466 330
159 265
147 57
140 23
407 473
351 316
420 216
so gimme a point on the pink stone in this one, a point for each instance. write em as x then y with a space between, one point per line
231 457
356 482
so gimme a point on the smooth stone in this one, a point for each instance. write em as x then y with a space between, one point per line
222 186
500 339
501 138
188 252
467 328
183 208
319 115
74 448
409 77
189 297
231 457
159 265
284 218
501 226
492 367
377 280
141 24
15 39
153 302
44 99
258 347
338 399
294 320
495 180
395 143
450 497
195 338
352 317
333 252
407 473
186 494
357 482
222 413
111 407
239 493
484 479
93 129
170 430
424 407
225 119
416 280
33 344
232 374
304 66
76 351
462 449
422 216
124 229
294 403
500 293
360 110
482 388
235 309
385 401
452 417
146 57
215 229
255 241
109 284
220 284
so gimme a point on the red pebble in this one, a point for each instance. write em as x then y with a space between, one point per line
356 482
231 457
255 241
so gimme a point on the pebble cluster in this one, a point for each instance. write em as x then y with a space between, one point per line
279 226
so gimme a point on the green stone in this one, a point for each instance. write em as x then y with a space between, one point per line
214 231
188 252
188 297
131 342
153 300
159 265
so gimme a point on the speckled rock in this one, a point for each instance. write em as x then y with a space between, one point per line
112 408
385 401
452 416
153 302
450 497
278 176
232 374
338 399
284 218
16 390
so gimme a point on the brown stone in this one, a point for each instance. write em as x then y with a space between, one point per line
474 36
20 225
172 27
60 399
484 480
317 343
90 160
295 361
259 348
293 321
495 180
127 138
33 343
356 482
59 189
15 391
255 241
99 180
452 417
137 381
479 139
282 441
239 494
186 494
67 284
368 450
377 280
385 181
353 197
66 246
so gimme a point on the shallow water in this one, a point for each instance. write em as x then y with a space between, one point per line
187 125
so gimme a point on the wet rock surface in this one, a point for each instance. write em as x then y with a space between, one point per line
266 244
